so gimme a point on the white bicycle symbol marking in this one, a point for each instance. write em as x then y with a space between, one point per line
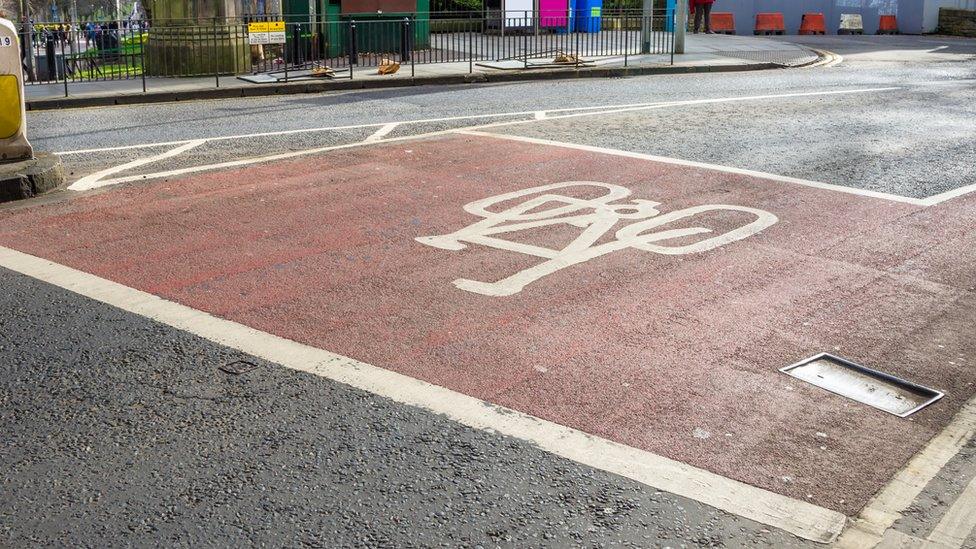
595 216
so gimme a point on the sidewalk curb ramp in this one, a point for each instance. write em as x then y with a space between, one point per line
343 85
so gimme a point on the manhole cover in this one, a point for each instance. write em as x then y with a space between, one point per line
856 382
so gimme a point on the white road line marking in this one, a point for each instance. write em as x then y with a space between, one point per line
351 127
948 195
798 517
540 115
379 134
298 131
96 179
708 101
602 109
950 82
886 507
263 159
693 164
293 154
893 539
959 521
126 147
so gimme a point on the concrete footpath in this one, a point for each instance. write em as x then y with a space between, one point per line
703 53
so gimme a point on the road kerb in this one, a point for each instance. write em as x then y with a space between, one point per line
258 90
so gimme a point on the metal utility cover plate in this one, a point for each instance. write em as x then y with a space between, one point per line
878 389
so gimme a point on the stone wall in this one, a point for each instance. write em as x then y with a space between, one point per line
957 22
197 51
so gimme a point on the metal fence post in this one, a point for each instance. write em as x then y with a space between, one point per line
27 45
626 26
142 56
577 49
353 52
296 49
64 65
405 39
672 43
50 54
216 54
410 47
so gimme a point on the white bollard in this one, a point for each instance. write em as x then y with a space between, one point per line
22 175
13 126
851 23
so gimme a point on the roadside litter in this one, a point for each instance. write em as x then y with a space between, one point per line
388 66
565 59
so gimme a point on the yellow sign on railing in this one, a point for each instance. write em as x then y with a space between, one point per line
266 32
266 26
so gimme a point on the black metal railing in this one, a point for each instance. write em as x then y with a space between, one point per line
337 45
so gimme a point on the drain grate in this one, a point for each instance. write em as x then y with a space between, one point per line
878 389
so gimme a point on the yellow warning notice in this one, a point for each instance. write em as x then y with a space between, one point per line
266 32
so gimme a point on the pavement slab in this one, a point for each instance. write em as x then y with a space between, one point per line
682 348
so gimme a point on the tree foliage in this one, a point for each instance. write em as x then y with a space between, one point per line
88 10
455 5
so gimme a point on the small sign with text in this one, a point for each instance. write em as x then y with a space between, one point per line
266 32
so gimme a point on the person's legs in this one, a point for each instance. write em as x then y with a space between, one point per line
698 18
707 8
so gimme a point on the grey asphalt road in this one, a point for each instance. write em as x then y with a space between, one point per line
914 139
115 430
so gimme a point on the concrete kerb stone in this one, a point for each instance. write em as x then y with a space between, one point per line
259 90
33 177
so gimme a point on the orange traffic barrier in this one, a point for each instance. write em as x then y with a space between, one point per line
723 23
813 23
888 24
769 23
